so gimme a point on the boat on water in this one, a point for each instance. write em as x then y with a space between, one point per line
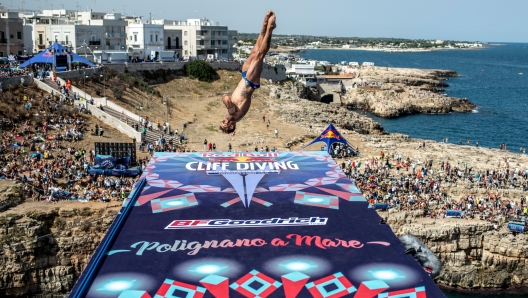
520 73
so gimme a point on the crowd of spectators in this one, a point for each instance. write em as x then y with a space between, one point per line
39 149
410 185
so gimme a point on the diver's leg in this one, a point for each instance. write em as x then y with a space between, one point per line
252 56
254 67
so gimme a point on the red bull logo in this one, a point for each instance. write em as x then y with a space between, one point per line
330 134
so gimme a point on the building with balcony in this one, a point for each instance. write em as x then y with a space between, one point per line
83 32
11 34
201 38
145 38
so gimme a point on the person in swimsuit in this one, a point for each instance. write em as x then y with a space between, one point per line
240 100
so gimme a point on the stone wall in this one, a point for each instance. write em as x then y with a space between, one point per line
276 73
14 81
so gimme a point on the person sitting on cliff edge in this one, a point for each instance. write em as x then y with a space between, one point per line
240 100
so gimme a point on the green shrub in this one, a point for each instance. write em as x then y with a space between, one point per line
201 70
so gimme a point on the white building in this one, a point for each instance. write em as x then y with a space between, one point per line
145 38
202 37
304 73
83 32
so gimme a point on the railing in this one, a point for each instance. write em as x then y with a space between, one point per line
115 47
173 48
64 43
199 37
115 35
94 43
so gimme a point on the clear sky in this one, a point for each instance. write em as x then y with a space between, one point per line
472 20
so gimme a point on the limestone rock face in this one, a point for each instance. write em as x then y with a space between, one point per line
49 266
10 197
473 254
399 92
293 108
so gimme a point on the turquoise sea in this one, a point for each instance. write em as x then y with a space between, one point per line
489 77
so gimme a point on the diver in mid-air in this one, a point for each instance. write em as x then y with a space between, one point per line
240 100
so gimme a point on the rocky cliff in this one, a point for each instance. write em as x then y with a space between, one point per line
48 267
393 92
293 107
474 255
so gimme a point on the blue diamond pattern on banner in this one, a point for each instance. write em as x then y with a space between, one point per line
171 287
173 203
316 200
255 284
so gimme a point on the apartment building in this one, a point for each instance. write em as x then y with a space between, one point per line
145 38
202 38
83 32
11 34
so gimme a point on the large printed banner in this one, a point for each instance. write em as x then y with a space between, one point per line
254 225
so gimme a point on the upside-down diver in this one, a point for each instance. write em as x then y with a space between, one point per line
240 100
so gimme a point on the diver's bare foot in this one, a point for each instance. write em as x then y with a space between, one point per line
271 22
265 23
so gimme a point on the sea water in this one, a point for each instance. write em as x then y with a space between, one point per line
489 77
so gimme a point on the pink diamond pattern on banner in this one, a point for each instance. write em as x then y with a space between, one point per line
147 198
334 286
159 159
150 167
288 187
230 202
262 202
151 176
323 158
371 288
321 181
255 285
164 183
170 286
134 294
200 188
260 189
333 165
345 195
229 190
349 187
336 174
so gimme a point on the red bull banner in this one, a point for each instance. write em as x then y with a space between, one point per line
250 225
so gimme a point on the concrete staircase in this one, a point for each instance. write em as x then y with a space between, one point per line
109 114
125 117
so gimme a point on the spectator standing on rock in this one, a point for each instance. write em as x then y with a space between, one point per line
276 133
205 144
101 131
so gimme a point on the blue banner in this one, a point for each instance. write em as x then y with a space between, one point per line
250 225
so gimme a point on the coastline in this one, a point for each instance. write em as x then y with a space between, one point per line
394 50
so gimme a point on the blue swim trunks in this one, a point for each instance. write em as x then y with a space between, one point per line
254 86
